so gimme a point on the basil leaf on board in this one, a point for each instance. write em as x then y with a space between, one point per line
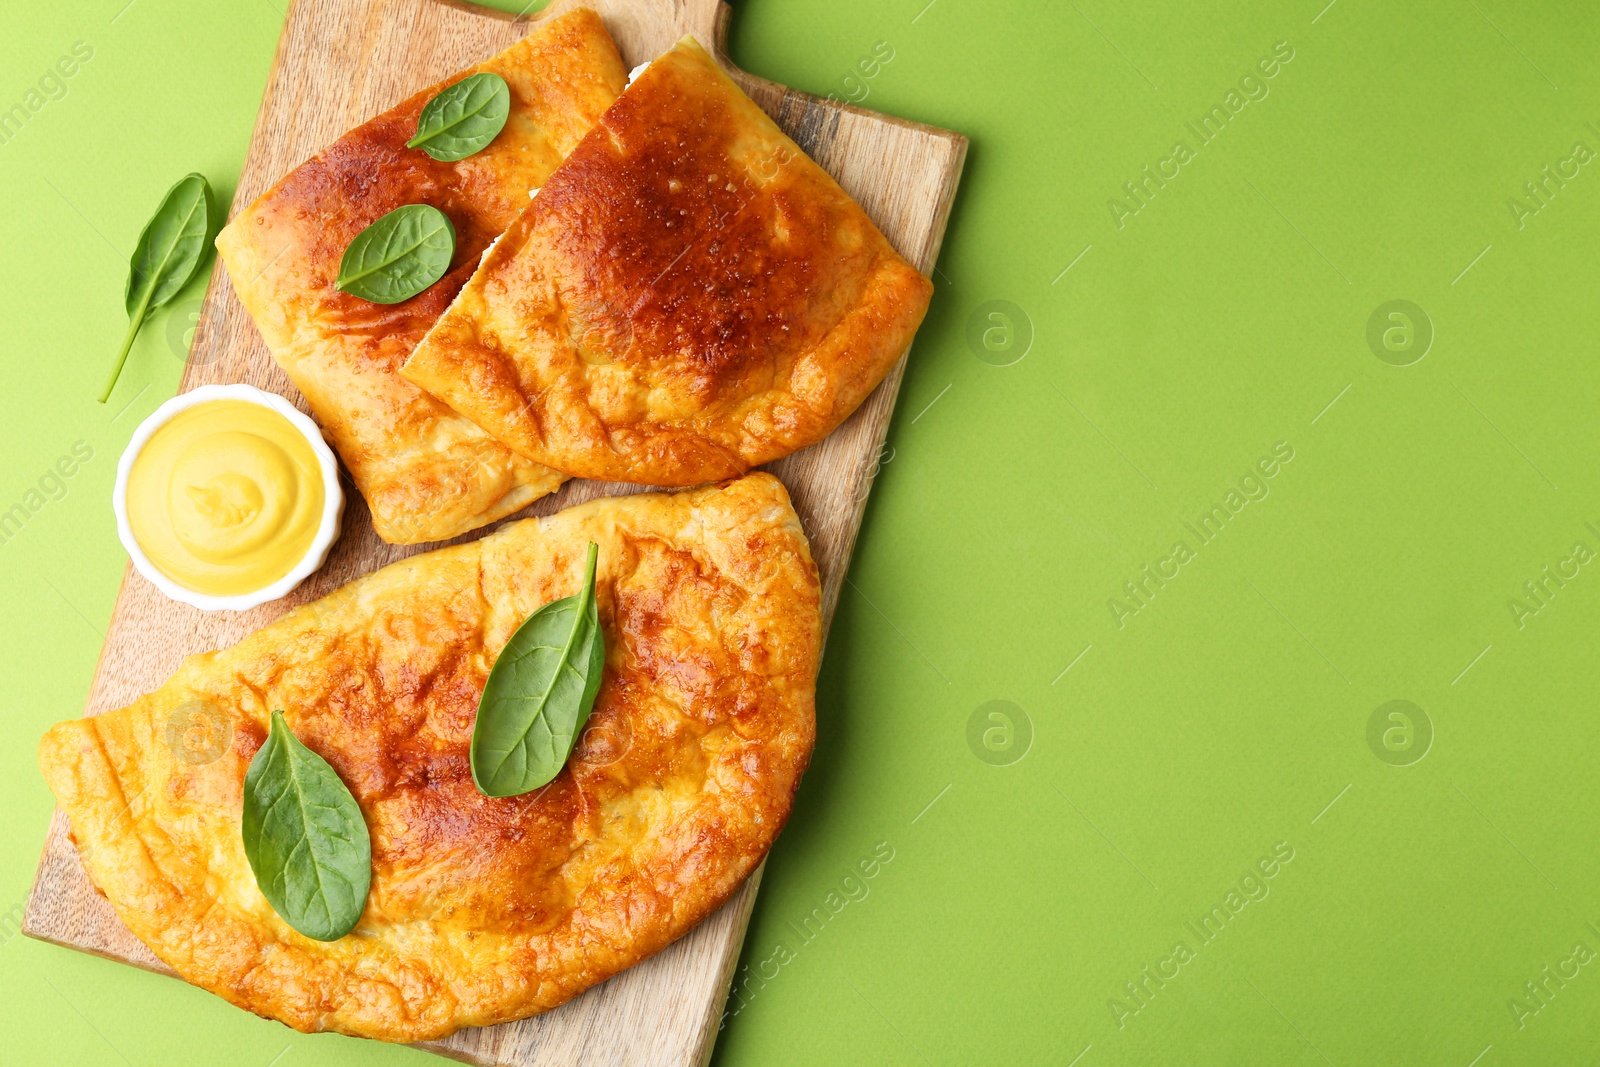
305 838
169 254
539 693
464 118
398 256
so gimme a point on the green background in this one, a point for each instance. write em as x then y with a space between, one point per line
1226 718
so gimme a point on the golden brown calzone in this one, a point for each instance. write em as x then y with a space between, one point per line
688 296
481 910
426 473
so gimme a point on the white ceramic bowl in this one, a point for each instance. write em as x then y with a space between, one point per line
332 498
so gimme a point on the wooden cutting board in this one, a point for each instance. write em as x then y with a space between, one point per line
338 63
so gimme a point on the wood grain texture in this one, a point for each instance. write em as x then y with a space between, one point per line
339 62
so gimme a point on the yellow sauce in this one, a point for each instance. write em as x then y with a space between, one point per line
225 497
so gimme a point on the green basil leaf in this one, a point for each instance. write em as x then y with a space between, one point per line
464 118
305 838
169 254
398 256
539 694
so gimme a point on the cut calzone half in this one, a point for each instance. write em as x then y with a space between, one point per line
481 910
426 472
688 296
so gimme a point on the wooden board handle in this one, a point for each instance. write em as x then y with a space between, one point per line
645 30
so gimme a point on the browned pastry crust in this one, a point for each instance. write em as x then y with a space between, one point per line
427 473
481 910
687 297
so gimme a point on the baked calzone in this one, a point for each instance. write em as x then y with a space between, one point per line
481 910
688 296
427 474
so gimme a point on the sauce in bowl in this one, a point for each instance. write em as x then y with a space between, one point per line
226 497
